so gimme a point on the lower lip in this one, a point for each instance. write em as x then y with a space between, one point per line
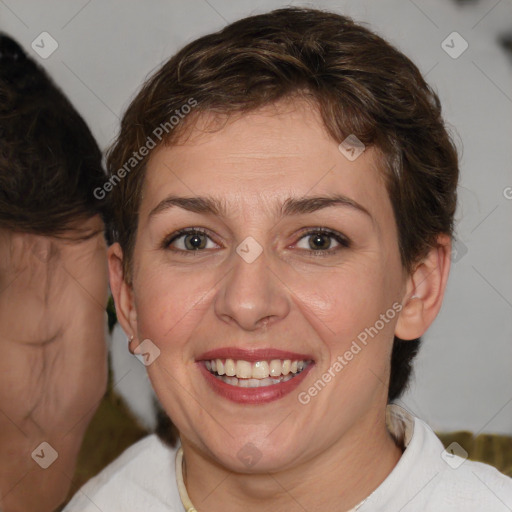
258 395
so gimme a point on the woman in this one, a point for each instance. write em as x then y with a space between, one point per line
283 195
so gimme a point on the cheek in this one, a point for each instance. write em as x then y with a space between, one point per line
345 308
343 298
169 304
338 302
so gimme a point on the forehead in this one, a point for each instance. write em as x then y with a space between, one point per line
257 158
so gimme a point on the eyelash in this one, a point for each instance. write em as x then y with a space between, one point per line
342 240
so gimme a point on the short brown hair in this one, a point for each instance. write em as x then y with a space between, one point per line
361 85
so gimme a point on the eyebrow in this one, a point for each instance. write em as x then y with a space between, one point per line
291 206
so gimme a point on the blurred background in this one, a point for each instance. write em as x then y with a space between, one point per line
99 53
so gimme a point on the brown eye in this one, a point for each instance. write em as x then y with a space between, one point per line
187 241
320 241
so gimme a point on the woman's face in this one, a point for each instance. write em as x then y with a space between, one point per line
255 292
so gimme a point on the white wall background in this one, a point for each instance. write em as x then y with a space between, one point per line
464 371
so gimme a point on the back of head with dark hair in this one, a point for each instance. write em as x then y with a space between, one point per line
49 160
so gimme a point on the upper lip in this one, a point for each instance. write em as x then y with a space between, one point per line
252 355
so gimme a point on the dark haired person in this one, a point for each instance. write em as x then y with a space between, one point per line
53 285
278 254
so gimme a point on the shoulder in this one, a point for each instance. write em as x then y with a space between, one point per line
141 478
430 477
458 483
471 486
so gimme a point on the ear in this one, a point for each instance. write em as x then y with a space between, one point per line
122 293
425 291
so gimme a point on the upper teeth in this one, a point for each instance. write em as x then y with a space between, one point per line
257 370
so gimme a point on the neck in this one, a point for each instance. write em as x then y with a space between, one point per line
338 478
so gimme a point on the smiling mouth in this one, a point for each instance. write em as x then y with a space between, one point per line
245 374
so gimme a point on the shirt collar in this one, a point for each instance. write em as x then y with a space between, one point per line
400 424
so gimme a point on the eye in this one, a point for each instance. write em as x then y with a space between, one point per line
320 243
194 240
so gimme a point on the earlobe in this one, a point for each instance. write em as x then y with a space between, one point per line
122 293
425 291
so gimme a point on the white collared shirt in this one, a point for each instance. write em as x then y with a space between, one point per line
427 478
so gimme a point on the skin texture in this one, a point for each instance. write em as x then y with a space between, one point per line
334 451
53 368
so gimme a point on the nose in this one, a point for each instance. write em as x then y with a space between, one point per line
252 296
